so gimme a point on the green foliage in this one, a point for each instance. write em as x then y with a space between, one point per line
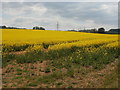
45 45
56 54
15 48
6 58
47 70
59 83
51 78
30 57
101 30
70 73
69 87
38 28
68 57
32 84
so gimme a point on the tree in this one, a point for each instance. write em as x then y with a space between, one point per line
33 27
36 27
101 30
41 28
4 27
93 30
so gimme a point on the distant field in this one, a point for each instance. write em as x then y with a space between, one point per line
43 58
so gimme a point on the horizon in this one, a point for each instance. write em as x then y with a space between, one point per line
7 27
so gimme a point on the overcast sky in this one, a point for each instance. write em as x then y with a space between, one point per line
70 15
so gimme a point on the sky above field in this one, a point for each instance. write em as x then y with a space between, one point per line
69 15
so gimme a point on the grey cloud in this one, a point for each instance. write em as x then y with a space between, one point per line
83 11
69 14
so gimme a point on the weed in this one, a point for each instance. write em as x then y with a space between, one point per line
59 83
69 87
45 45
7 58
47 70
32 84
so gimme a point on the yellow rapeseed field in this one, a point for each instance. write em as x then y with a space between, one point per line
56 39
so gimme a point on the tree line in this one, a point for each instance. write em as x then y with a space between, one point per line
5 27
100 30
35 28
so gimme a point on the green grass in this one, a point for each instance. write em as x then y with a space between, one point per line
111 80
6 58
65 58
47 70
15 48
50 78
30 57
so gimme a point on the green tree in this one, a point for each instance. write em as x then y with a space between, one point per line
41 28
36 27
101 30
4 27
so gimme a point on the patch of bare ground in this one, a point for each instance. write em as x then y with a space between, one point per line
95 79
20 75
17 75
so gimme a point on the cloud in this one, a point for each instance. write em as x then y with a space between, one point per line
60 0
83 11
70 15
24 9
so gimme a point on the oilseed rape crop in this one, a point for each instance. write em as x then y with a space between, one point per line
77 47
56 39
44 57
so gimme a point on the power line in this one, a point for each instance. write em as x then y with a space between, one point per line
84 27
57 25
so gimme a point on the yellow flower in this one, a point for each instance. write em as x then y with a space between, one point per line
57 39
